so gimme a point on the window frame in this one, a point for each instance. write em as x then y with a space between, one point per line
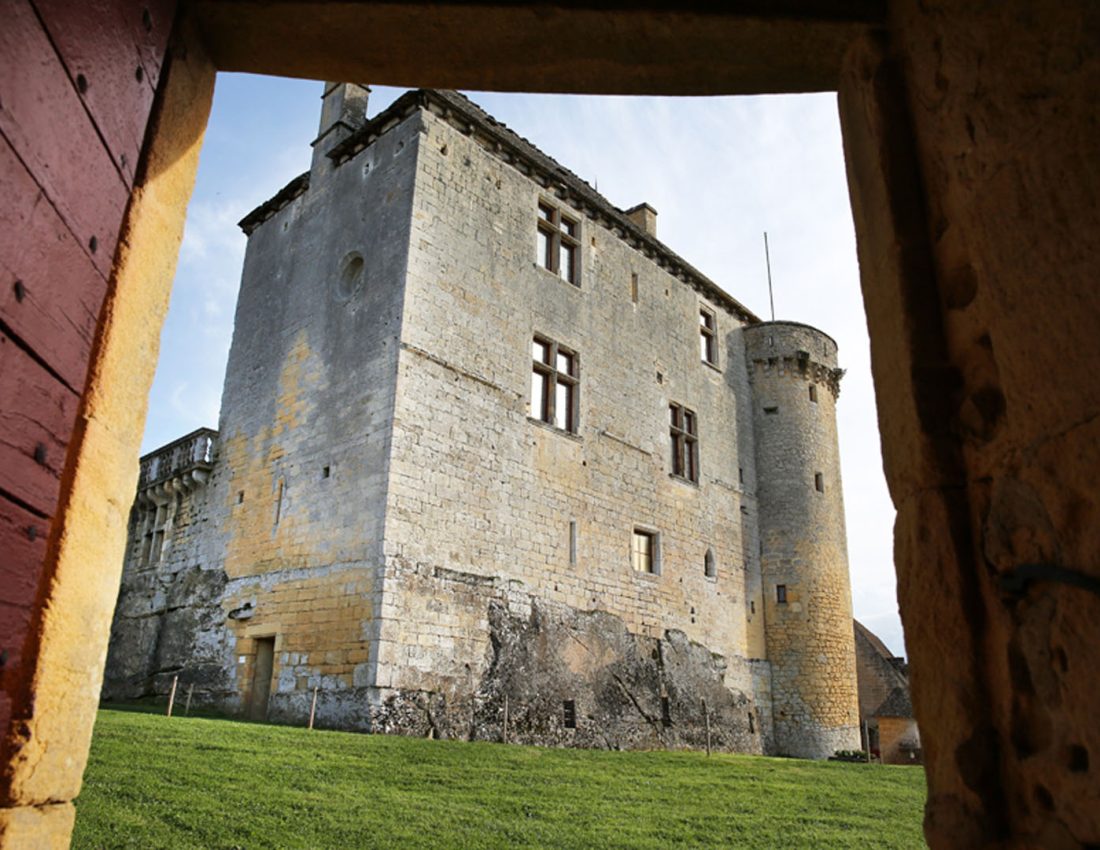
708 336
684 442
548 370
559 229
654 553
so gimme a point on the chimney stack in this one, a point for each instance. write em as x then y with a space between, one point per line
343 111
645 217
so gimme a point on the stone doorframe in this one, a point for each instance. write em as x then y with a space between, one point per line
990 736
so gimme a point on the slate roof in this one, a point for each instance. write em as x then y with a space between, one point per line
897 704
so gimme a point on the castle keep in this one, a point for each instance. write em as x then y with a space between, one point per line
493 462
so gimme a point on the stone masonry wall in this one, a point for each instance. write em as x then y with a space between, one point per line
293 516
479 488
804 559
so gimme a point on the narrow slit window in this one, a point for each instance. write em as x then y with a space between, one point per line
634 288
710 570
666 712
813 393
572 542
326 472
781 594
819 482
279 501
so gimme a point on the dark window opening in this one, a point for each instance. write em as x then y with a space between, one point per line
740 475
771 410
781 594
819 482
683 432
708 337
326 472
558 243
666 712
710 570
555 384
813 393
240 497
634 287
569 714
572 542
752 725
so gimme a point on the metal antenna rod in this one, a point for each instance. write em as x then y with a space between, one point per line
768 260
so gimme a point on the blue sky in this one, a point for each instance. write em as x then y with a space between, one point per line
719 171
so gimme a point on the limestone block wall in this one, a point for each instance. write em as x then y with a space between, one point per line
804 560
168 619
477 487
305 428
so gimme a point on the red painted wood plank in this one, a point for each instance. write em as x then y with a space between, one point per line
23 544
105 64
150 24
50 293
37 415
42 117
15 621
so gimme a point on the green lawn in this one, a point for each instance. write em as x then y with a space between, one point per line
189 782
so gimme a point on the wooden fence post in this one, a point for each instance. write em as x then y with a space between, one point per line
172 696
313 707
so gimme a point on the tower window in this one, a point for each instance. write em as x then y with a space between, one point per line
558 243
781 594
813 393
819 482
326 472
554 384
684 437
708 336
710 570
634 288
572 542
771 410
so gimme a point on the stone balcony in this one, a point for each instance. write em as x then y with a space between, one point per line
186 461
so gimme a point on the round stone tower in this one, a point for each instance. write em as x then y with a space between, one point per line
804 555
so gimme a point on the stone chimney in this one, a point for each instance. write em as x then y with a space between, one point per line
645 217
343 111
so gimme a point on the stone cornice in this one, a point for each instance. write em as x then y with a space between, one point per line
803 367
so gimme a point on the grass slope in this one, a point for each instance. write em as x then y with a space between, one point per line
189 782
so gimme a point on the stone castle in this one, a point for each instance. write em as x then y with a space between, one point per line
495 463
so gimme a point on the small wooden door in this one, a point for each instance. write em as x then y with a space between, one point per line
261 678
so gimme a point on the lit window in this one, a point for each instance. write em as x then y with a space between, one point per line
558 243
708 337
684 438
643 552
554 384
